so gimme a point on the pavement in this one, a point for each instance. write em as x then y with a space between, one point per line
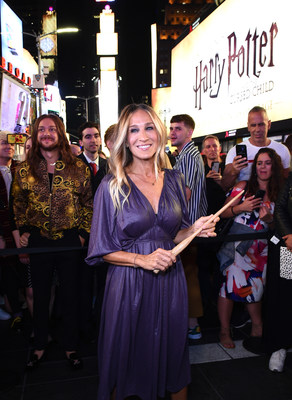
217 373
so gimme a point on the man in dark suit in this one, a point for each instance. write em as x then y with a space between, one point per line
90 140
92 281
11 271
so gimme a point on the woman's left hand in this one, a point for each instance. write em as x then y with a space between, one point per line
209 229
265 214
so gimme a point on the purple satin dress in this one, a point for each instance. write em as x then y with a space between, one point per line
142 347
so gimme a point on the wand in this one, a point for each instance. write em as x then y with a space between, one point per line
184 243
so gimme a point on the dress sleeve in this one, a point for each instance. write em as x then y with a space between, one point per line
104 232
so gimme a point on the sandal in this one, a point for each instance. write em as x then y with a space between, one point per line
74 361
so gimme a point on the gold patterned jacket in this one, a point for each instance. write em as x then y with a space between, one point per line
66 205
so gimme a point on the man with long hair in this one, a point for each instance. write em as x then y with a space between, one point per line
53 208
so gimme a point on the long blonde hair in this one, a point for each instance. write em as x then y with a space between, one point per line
121 157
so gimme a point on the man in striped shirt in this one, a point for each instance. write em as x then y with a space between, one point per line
190 163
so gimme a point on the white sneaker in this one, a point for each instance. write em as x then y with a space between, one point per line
277 360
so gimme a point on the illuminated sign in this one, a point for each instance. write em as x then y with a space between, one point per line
48 43
15 106
11 35
52 98
107 39
13 60
233 61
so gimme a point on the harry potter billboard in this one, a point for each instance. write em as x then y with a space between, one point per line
237 58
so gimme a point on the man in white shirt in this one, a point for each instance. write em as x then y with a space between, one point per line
238 168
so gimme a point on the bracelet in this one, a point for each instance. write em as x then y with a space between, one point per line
134 265
233 211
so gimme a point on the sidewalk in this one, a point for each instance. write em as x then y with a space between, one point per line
217 374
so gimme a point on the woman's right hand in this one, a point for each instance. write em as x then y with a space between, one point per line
288 241
159 260
249 204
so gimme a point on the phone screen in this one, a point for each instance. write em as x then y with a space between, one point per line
259 195
241 150
215 166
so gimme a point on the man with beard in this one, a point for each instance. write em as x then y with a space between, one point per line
53 208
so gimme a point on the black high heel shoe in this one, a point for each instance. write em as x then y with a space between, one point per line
75 361
34 361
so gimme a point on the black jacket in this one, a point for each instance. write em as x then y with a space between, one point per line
283 209
102 170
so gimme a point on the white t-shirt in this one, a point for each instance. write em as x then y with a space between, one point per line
252 150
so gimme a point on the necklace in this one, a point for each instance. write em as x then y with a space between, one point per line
143 180
52 164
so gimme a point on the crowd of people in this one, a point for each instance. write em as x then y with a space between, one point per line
105 230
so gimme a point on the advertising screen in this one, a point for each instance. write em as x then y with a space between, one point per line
237 58
15 106
11 35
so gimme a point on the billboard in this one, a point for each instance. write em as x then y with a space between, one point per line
15 108
11 35
235 59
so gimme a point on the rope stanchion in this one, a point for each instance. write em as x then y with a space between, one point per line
197 240
38 250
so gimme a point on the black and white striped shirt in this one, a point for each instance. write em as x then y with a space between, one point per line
190 163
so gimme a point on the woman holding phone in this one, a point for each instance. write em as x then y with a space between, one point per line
244 275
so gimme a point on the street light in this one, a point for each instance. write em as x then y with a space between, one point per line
38 40
86 102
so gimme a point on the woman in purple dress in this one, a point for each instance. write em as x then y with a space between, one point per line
140 213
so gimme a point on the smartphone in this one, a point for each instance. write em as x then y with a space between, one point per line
241 150
259 195
215 166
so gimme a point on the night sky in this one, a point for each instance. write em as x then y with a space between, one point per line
77 52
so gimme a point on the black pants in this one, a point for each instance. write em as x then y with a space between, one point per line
12 278
67 265
92 286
